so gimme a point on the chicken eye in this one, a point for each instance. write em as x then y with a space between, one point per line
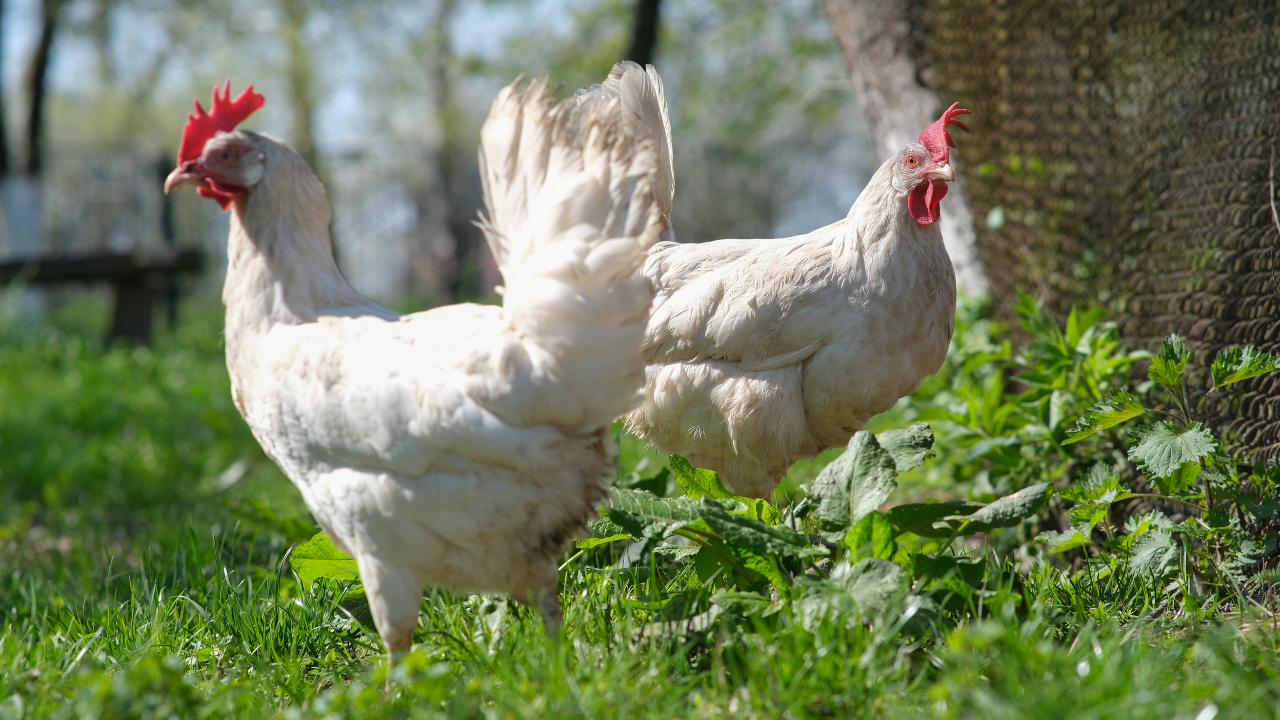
226 154
911 160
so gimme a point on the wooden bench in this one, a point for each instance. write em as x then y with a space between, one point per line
136 278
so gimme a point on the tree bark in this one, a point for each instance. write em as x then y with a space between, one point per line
456 165
36 76
4 134
645 37
881 41
298 66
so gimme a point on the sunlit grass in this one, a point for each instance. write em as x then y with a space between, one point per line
143 539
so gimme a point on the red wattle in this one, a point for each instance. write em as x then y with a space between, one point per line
923 201
939 191
214 191
918 203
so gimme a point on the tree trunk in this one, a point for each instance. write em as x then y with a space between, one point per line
882 43
298 66
4 134
645 38
456 164
36 76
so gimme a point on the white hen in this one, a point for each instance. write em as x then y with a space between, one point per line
461 446
762 352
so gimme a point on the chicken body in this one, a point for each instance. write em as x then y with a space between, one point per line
458 447
763 352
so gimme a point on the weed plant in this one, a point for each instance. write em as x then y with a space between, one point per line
153 564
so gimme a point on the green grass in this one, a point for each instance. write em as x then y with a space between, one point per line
142 574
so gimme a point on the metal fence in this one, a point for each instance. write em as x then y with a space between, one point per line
1123 153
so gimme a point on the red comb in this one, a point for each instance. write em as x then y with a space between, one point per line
223 116
936 139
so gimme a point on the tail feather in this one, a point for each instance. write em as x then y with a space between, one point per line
570 215
644 108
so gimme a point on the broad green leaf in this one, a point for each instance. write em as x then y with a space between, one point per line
909 446
697 482
873 584
1094 494
1169 364
1262 509
1182 479
1115 408
1160 449
1139 525
700 483
928 569
604 527
1005 512
918 518
871 537
1153 552
1238 364
642 514
763 565
745 603
762 510
678 552
589 543
744 532
1063 541
1100 484
1253 551
320 558
853 485
1090 513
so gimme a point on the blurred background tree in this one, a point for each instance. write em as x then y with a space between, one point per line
385 99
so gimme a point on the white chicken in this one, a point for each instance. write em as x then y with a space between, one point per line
458 447
762 352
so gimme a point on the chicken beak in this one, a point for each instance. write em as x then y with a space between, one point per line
943 173
188 174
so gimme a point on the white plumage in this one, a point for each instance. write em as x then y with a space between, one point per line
762 352
458 447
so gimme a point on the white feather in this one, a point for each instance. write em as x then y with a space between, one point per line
763 352
461 446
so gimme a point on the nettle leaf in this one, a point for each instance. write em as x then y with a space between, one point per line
853 485
1238 364
1253 551
1181 479
1005 512
1160 449
909 446
320 558
697 482
1139 525
1090 513
871 537
1153 552
1101 484
918 518
1064 541
1115 408
642 514
1169 364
